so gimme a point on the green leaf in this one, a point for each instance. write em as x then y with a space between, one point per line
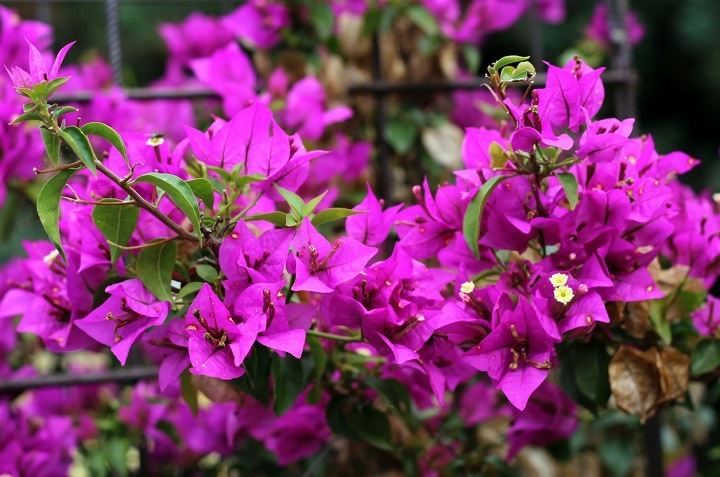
331 214
309 208
203 190
52 145
288 382
55 84
473 214
371 21
227 177
109 134
189 289
498 158
337 416
593 360
48 206
63 110
117 224
570 186
658 320
277 218
617 453
372 426
26 117
705 357
78 142
393 393
256 380
189 392
401 135
179 192
242 181
472 57
322 19
320 358
154 268
423 18
506 60
206 272
295 201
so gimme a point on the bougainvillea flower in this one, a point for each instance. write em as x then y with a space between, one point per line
516 354
258 23
170 343
261 309
38 70
707 318
120 321
214 338
372 226
246 259
320 266
305 109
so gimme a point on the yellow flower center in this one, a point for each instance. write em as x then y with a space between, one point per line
559 279
563 294
467 287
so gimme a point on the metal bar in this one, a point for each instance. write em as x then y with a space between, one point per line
621 57
536 36
113 39
120 376
653 447
140 94
383 172
125 1
439 86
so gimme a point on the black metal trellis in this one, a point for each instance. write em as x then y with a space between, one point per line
621 76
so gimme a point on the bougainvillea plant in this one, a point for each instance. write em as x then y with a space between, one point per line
562 275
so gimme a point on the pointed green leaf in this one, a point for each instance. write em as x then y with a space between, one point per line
473 214
277 218
242 181
117 224
189 392
221 172
507 60
570 186
48 206
333 213
288 382
295 201
154 268
322 19
309 208
705 357
52 145
55 84
109 134
189 289
207 272
78 142
26 117
63 110
203 189
179 192
320 358
372 426
423 18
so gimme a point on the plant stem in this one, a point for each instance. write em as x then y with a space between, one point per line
330 336
58 168
141 202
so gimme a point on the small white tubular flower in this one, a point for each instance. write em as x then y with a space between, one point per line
563 294
467 287
558 279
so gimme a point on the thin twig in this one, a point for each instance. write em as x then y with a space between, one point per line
141 202
58 168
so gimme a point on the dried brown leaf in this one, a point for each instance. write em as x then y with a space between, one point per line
635 381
